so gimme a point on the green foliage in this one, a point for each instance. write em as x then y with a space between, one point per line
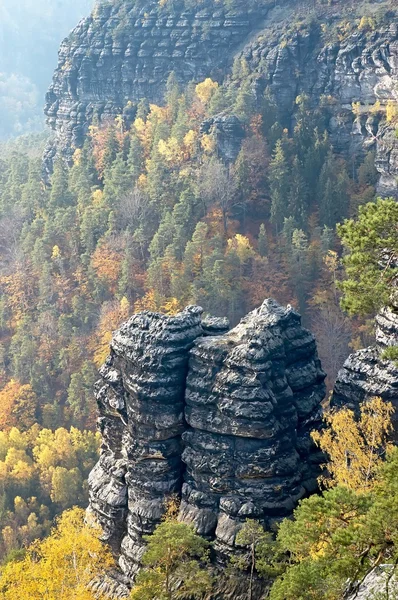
154 217
335 539
371 244
390 353
175 564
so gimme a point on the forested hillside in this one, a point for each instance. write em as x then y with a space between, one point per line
151 217
30 34
225 192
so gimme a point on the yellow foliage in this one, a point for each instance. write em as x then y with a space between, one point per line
391 111
206 89
355 446
331 261
61 567
366 24
147 302
172 504
98 197
17 402
106 261
56 253
144 133
142 181
356 108
157 112
77 156
190 141
171 307
376 108
171 150
112 316
208 143
241 245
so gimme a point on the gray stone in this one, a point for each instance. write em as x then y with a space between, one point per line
223 421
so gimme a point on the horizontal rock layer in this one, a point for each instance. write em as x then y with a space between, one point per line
220 418
366 373
124 52
252 396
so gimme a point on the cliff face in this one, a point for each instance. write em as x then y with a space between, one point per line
366 373
123 53
220 419
361 66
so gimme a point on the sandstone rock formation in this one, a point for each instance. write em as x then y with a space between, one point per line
366 373
124 52
221 420
358 67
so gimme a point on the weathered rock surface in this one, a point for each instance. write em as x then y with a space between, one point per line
358 67
366 373
252 396
376 584
221 419
141 402
125 52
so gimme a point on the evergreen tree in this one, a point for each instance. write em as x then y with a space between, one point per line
60 194
174 552
333 192
279 185
262 241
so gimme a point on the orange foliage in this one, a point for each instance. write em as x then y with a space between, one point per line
147 302
18 290
17 402
106 261
112 316
269 280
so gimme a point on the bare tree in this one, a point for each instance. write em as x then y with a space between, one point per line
133 208
333 334
217 187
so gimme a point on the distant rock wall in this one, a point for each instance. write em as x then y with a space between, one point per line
361 66
125 52
221 419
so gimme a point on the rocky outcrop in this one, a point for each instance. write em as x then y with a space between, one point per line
123 53
381 583
220 419
366 373
357 67
252 397
228 133
141 402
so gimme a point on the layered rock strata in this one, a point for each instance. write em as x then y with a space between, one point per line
366 373
124 52
141 403
220 418
252 397
358 67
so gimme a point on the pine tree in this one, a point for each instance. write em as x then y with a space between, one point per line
333 192
60 194
279 185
